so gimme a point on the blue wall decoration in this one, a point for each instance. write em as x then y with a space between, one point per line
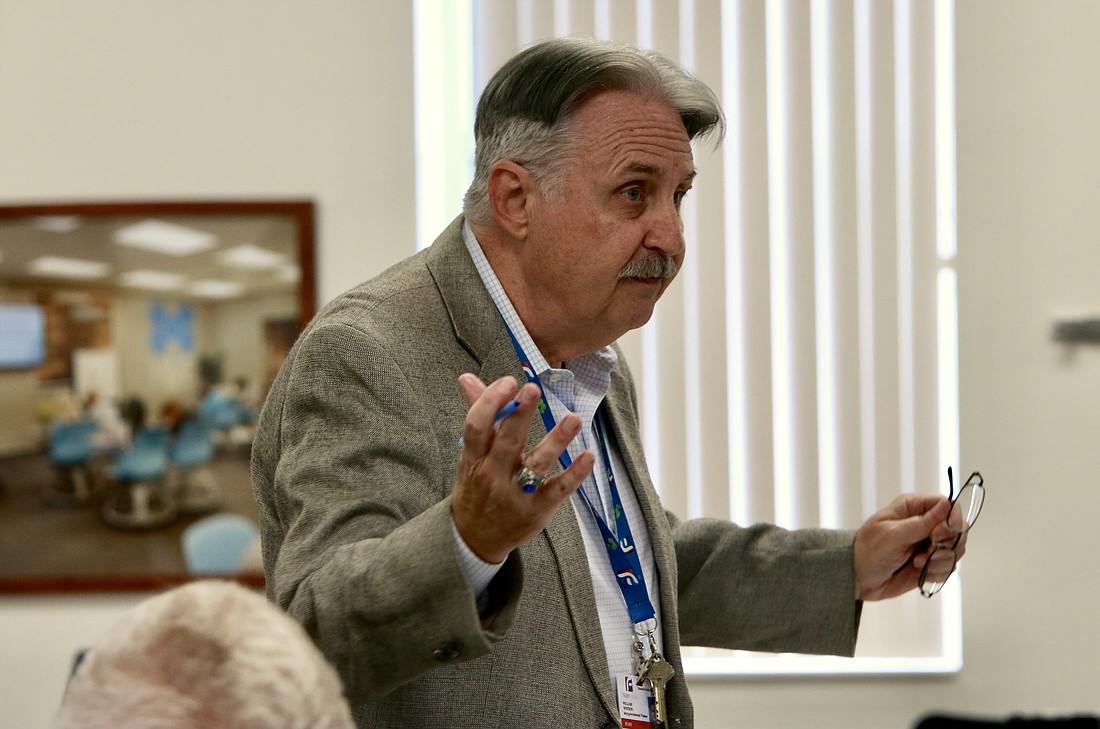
169 327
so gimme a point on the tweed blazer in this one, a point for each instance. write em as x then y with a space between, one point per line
353 465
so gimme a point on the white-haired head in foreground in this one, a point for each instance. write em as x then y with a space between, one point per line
209 654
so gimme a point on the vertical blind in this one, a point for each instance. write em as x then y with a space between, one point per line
802 369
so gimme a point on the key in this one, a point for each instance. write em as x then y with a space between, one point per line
658 672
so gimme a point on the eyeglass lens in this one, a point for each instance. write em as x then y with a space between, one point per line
967 505
928 588
965 508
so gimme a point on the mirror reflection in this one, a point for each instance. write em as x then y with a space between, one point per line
137 342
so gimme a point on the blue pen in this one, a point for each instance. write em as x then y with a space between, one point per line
502 414
506 411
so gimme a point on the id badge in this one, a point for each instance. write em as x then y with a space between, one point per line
635 702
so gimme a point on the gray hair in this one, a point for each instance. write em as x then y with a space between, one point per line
525 112
208 654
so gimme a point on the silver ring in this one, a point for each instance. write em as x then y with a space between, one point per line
528 480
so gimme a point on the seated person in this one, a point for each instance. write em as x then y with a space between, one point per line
173 413
209 654
63 407
234 422
113 432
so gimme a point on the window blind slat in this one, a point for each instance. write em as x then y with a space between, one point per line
706 224
622 21
882 250
752 282
928 473
733 243
574 17
841 101
535 21
793 264
492 45
903 156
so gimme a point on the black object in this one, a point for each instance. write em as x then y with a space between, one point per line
947 721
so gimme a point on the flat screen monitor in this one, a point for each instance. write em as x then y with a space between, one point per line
22 336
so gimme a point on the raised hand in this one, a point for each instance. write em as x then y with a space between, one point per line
491 510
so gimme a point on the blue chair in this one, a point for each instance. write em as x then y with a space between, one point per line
227 415
217 544
219 410
195 488
141 499
70 450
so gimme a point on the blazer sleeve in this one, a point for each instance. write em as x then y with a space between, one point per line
353 490
765 588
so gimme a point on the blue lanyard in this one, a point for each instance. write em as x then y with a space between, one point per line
621 550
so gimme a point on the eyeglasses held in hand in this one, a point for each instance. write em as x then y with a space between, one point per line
965 507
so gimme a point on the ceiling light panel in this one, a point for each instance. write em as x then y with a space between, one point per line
215 289
158 280
56 223
289 273
68 267
250 256
168 238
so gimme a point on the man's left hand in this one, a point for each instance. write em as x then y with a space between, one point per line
892 547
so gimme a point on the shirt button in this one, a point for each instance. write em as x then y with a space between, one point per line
448 651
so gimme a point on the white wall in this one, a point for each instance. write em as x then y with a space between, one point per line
127 99
121 98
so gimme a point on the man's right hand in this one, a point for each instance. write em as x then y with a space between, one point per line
493 514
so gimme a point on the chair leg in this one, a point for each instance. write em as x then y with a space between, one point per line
140 505
197 491
72 487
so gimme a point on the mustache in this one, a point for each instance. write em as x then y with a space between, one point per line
652 267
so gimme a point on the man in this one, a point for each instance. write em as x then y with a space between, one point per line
206 655
460 564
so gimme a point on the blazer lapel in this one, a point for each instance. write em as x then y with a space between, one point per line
478 325
474 318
